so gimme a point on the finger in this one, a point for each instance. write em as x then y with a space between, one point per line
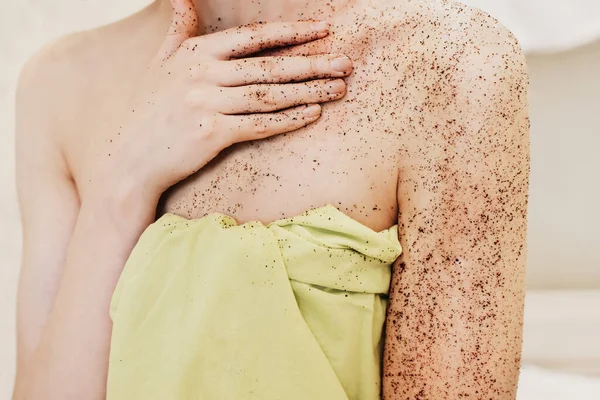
245 40
268 98
281 69
240 128
184 25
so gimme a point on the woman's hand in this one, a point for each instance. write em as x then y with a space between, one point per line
199 97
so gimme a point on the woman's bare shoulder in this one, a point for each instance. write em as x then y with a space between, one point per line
70 59
446 60
439 27
54 76
46 87
58 79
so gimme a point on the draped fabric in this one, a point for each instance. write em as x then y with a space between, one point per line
208 309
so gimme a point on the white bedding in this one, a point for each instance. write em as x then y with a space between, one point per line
539 384
562 333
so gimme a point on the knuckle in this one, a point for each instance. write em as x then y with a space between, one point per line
304 90
321 88
205 71
208 127
264 95
288 30
271 67
253 33
186 45
191 44
197 98
258 31
260 126
196 74
190 99
278 74
313 65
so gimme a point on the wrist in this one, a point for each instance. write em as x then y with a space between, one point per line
127 208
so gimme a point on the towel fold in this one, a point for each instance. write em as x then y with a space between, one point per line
208 309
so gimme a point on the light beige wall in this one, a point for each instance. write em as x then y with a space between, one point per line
564 214
564 222
24 27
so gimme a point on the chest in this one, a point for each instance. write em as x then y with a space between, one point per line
348 158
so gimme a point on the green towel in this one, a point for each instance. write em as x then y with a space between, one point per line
209 309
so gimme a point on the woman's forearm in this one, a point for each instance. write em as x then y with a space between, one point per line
71 361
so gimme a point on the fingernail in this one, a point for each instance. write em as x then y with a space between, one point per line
337 86
312 110
321 26
341 64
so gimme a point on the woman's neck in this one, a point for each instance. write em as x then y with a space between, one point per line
222 14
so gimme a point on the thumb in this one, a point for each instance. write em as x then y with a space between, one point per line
184 25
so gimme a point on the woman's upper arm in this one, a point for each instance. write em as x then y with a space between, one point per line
48 201
456 303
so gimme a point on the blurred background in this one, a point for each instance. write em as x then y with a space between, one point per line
562 40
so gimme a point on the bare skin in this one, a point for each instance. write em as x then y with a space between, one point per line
432 134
